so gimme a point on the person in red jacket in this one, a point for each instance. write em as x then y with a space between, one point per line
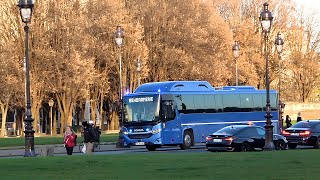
69 140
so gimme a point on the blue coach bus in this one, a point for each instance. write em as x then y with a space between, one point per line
185 112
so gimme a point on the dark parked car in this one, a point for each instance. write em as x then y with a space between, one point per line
303 133
242 138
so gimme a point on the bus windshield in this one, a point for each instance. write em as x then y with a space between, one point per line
141 108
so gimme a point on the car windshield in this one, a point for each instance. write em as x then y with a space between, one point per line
229 130
141 108
304 124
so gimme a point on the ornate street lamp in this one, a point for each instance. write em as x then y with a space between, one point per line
279 45
236 54
51 103
26 7
266 22
119 36
138 70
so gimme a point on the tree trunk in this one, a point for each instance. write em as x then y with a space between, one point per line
35 116
19 120
35 108
93 115
113 120
101 111
14 126
65 105
22 117
4 111
54 125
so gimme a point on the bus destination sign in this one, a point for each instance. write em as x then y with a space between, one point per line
140 99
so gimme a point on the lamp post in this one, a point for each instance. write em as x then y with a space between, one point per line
279 45
138 70
266 22
118 36
236 53
26 7
51 103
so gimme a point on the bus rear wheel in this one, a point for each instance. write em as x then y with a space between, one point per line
151 147
187 140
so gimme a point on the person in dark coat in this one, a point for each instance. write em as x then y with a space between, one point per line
299 118
97 134
89 137
288 121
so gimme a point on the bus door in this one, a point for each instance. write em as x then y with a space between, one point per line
171 126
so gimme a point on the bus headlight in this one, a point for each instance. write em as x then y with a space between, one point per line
156 131
124 130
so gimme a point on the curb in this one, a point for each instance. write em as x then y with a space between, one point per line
55 145
77 152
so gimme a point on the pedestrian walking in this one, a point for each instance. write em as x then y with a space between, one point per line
89 137
288 121
97 134
70 139
299 118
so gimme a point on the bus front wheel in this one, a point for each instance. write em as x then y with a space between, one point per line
187 140
151 147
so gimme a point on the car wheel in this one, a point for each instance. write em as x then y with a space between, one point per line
151 147
187 140
280 145
292 146
245 146
317 143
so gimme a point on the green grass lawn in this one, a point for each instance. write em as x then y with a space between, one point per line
293 164
9 142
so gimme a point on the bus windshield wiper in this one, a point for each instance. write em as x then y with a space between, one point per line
143 120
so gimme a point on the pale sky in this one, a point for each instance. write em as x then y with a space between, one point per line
311 7
309 4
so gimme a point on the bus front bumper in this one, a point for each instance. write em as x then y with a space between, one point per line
154 139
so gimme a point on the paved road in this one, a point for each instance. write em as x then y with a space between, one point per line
105 149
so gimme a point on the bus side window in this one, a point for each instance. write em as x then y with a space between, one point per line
168 111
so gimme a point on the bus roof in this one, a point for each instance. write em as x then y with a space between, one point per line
173 86
191 86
